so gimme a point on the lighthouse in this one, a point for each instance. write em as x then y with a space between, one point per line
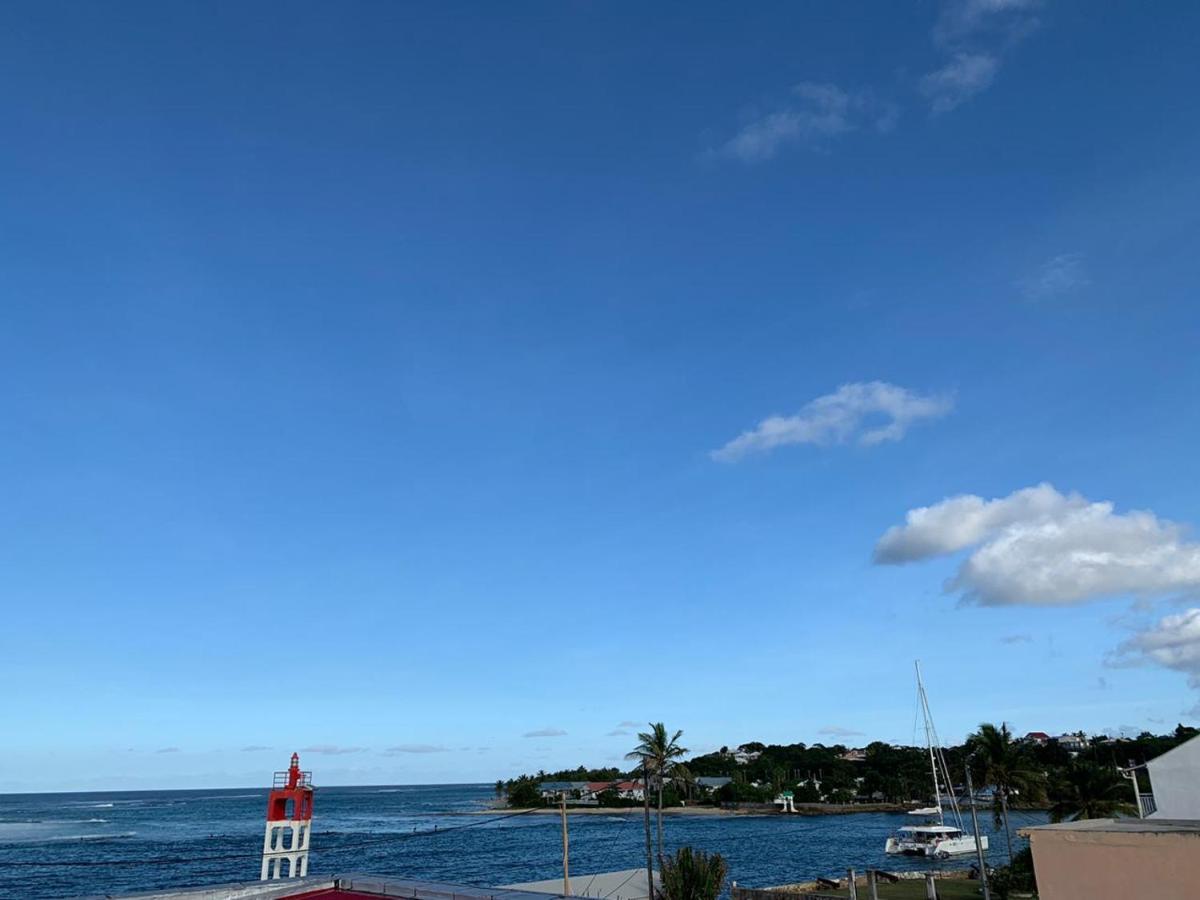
289 824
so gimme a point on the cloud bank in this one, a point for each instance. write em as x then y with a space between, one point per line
1173 643
331 749
418 748
1043 548
850 413
545 732
839 731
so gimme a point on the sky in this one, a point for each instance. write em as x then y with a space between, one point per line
446 390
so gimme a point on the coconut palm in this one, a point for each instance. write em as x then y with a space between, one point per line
684 780
694 875
658 749
1004 764
1089 791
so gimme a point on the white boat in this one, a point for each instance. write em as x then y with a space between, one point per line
936 838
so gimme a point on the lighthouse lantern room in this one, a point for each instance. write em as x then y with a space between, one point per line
289 824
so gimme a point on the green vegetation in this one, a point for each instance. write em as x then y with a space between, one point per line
1032 775
693 875
1085 790
1015 879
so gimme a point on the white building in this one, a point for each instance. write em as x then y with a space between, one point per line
1175 782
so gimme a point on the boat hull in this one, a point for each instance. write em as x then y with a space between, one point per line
943 849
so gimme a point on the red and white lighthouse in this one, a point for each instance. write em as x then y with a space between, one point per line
289 823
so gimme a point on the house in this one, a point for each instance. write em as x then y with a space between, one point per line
1174 783
712 782
594 789
745 757
550 790
1116 859
855 755
631 790
1036 737
1072 742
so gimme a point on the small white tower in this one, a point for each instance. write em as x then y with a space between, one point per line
289 824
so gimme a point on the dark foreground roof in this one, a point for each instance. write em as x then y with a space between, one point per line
338 886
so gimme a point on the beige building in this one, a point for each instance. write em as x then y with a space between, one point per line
1117 859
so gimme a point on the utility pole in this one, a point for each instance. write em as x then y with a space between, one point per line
646 816
1004 810
978 842
562 798
1131 774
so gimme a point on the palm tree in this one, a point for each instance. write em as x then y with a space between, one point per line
658 750
694 875
1003 763
685 780
1089 791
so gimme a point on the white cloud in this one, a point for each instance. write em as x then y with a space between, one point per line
1039 547
1056 277
964 19
1173 643
629 724
839 731
545 732
255 748
812 114
419 748
959 80
848 414
975 34
617 732
331 749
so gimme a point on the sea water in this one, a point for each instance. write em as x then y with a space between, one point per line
144 840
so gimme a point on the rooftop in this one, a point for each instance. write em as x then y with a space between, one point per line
342 886
1125 826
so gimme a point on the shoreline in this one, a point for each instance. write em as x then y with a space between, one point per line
768 810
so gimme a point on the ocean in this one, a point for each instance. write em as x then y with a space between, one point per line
69 845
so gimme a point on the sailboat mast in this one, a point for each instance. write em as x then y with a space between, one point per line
933 767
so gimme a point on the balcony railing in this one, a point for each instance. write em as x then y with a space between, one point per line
1147 804
281 780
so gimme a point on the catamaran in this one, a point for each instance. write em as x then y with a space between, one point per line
935 838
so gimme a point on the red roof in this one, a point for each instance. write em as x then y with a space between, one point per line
1037 736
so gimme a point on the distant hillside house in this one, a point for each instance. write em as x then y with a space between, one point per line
744 758
713 782
854 755
1073 742
1037 737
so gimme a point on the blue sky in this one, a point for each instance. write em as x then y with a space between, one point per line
375 375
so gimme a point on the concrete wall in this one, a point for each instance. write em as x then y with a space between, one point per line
1097 865
1175 780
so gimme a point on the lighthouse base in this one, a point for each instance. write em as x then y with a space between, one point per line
285 849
